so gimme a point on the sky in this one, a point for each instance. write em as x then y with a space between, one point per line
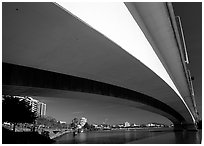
98 109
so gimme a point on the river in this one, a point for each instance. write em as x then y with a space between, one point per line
139 137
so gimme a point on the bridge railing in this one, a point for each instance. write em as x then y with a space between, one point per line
177 26
185 61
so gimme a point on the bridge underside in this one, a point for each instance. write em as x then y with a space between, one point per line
45 48
26 81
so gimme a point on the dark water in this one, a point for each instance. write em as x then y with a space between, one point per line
122 137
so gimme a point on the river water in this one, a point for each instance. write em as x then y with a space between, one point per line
139 137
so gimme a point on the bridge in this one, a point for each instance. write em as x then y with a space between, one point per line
132 51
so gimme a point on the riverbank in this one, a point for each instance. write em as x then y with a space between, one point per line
149 129
61 133
10 137
53 135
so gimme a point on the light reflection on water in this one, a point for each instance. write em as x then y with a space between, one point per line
116 137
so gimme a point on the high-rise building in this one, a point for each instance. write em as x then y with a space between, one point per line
41 109
36 105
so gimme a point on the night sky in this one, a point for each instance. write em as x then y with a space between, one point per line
112 110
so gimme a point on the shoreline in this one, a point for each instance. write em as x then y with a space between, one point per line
140 129
58 134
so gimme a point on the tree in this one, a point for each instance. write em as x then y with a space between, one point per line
75 123
42 121
87 126
17 110
51 122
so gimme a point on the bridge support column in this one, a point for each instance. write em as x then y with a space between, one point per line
190 127
180 127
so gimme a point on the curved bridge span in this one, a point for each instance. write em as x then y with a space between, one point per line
48 46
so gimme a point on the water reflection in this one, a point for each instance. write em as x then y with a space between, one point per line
186 137
120 137
82 137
